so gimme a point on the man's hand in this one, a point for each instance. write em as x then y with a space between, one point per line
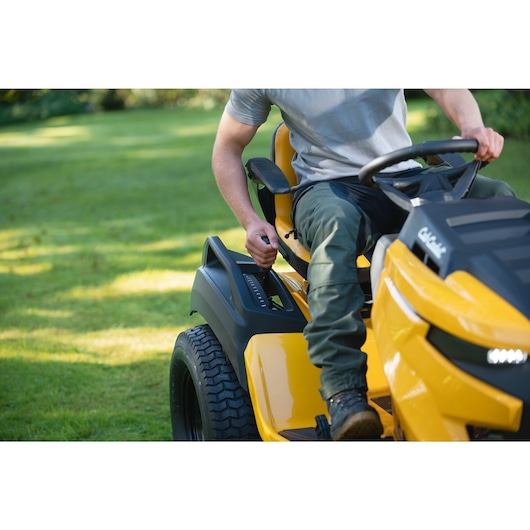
460 106
490 142
264 254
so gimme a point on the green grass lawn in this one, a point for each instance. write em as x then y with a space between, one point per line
103 220
102 224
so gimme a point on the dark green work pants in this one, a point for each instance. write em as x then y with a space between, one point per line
337 221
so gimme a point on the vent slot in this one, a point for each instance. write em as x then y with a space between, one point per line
424 257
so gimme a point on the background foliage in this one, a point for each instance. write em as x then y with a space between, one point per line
508 111
29 105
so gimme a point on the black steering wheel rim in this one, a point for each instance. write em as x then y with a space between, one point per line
423 150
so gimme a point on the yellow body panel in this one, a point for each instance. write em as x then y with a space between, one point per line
460 304
284 385
433 399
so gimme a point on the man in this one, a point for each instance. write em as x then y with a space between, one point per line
334 133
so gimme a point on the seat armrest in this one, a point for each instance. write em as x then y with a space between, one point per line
266 172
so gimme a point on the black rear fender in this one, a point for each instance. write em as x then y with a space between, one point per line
234 296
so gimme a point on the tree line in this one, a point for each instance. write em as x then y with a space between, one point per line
39 104
508 111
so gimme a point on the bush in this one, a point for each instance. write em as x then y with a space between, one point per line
507 111
39 104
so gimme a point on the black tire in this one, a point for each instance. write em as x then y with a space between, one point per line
206 400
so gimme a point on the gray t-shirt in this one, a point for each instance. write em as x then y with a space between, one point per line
334 132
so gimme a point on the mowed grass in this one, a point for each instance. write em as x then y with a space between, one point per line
102 222
103 219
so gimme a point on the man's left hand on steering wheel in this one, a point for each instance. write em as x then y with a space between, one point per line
490 142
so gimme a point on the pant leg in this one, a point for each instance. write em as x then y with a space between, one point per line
329 227
484 187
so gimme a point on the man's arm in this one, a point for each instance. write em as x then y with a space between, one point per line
461 108
231 140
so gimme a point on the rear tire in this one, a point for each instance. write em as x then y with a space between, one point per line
206 400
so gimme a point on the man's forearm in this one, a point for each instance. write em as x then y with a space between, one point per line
232 182
232 138
459 106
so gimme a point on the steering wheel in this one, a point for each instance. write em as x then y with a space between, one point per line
442 184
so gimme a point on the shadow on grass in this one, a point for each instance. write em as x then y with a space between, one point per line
60 401
103 222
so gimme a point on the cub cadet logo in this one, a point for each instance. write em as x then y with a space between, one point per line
430 241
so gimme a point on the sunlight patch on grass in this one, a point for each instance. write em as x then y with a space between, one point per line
126 345
416 119
151 281
117 346
7 236
46 313
193 130
234 239
189 249
162 245
23 243
111 346
25 269
160 281
191 260
45 136
28 250
37 344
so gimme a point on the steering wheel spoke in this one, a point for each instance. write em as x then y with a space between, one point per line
440 183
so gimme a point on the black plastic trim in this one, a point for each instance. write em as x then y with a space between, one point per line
233 295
